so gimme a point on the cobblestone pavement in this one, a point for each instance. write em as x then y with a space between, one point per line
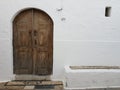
32 85
40 85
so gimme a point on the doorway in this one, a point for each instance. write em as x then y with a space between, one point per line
33 43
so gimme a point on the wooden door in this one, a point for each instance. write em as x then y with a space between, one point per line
33 43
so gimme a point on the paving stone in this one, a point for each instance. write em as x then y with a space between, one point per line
58 82
14 83
14 87
20 85
48 87
31 83
39 83
59 87
44 89
29 87
2 86
52 83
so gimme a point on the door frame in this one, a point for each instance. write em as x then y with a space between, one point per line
13 18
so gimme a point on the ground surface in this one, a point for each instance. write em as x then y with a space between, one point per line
32 85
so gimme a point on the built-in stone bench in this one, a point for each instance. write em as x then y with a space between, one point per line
92 76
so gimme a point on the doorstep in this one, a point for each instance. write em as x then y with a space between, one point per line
31 85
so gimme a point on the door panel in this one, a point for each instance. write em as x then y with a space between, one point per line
23 30
23 63
42 64
42 36
33 43
22 42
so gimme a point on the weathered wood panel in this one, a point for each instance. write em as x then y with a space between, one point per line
22 43
42 42
33 43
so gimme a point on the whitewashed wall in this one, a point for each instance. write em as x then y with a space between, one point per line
84 36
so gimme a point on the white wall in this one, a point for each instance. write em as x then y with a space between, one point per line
85 37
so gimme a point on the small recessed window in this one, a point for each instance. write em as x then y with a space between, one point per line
108 11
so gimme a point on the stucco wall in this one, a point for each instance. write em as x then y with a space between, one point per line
84 36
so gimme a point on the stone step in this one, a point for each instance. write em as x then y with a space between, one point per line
29 83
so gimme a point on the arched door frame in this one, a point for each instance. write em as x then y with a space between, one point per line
28 9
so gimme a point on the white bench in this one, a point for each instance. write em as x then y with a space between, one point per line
92 76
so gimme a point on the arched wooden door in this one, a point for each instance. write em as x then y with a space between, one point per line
33 43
